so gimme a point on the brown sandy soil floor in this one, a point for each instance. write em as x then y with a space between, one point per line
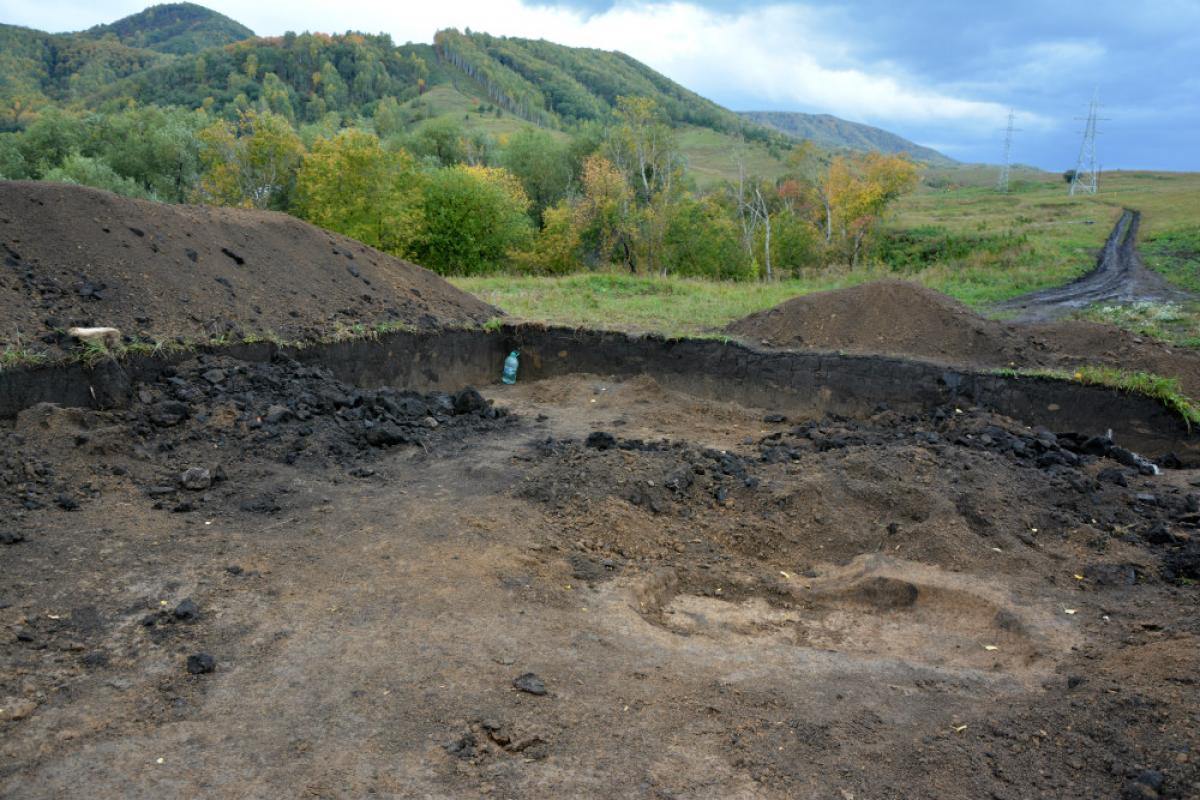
944 606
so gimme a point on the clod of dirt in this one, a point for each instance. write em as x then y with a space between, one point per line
530 683
201 664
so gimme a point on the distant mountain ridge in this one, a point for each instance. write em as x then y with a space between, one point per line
176 28
835 133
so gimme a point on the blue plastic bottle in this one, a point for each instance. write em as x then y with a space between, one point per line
510 368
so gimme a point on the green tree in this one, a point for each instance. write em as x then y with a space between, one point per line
87 171
441 140
475 219
351 185
250 163
701 239
542 164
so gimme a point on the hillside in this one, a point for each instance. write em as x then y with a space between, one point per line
176 28
836 133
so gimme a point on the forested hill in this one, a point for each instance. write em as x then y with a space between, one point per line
551 84
182 54
835 133
177 28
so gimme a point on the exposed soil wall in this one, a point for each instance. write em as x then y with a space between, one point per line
796 383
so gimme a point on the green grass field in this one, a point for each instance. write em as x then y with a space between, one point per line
1054 238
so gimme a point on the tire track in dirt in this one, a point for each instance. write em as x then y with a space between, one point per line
1118 277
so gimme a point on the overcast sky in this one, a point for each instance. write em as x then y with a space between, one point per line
940 72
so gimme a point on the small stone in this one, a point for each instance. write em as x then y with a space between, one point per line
601 440
201 664
429 422
214 376
196 479
277 414
66 502
530 683
11 537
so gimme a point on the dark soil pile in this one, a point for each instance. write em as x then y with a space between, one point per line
904 319
75 256
189 437
881 317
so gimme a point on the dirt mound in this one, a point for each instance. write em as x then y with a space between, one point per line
74 256
904 319
881 317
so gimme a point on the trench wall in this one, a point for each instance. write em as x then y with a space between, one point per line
796 383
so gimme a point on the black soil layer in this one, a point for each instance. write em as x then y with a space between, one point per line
900 318
74 256
178 444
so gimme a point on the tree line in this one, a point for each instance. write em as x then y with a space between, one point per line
605 196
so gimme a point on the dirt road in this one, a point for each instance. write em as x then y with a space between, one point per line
943 606
1119 277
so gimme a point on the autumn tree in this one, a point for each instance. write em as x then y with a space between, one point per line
352 185
606 213
860 188
250 163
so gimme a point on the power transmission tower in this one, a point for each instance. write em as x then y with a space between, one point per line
1086 170
1002 183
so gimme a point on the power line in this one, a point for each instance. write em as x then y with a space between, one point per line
1087 172
1002 182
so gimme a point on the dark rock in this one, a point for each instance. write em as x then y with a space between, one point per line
234 569
277 414
386 435
530 683
1152 778
601 440
214 376
774 419
1097 446
187 611
1159 533
11 537
66 502
197 479
469 401
168 413
462 747
1113 475
201 664
679 480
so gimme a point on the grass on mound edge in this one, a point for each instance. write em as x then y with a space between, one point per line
1162 389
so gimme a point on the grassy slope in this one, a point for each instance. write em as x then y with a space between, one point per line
1063 232
707 153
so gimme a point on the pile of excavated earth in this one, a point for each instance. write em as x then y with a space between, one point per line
256 580
79 257
901 318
